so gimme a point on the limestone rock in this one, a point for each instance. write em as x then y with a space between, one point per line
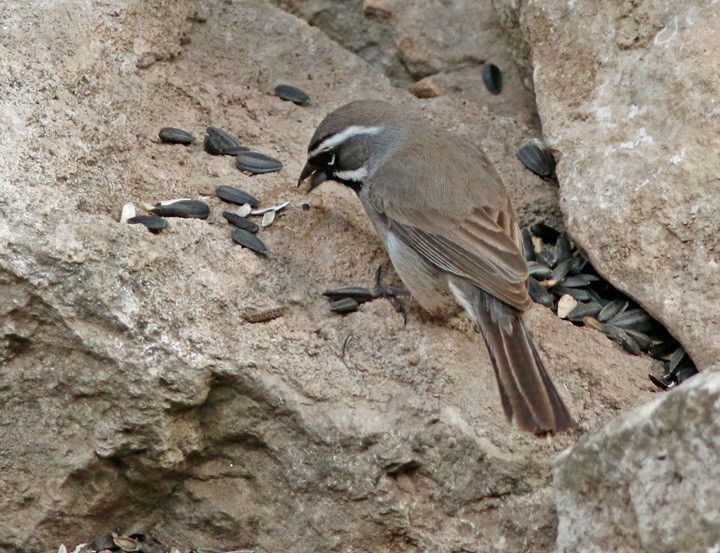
628 95
647 482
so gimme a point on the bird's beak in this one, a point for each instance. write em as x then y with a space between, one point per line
318 176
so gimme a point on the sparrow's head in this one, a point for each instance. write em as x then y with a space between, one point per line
351 143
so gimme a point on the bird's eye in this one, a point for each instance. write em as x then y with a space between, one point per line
323 159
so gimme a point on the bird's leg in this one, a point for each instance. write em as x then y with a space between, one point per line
391 294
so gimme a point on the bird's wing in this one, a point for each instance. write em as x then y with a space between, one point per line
481 245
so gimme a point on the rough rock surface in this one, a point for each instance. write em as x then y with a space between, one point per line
627 93
136 392
647 482
413 41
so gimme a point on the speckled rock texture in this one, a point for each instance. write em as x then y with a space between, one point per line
647 482
627 93
183 386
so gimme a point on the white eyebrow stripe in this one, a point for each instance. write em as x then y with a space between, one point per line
339 138
352 175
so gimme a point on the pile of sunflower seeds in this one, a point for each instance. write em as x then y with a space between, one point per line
564 281
137 543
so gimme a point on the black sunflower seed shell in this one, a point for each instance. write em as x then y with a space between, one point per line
616 306
582 310
528 246
171 135
257 163
492 77
248 240
642 339
344 305
539 294
659 383
240 222
191 209
547 257
637 319
578 293
575 281
357 293
292 94
546 233
677 357
662 349
236 196
561 270
577 264
221 143
686 373
538 271
152 222
623 338
538 160
563 247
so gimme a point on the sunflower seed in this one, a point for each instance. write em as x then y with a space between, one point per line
578 293
292 94
582 310
565 305
621 337
577 264
677 357
528 246
345 305
221 143
659 383
276 207
248 240
357 293
661 349
611 309
492 77
595 297
152 222
630 345
561 270
575 281
240 222
128 212
642 339
547 257
171 135
236 196
563 247
592 322
546 233
538 271
268 218
684 374
193 209
257 163
539 294
633 318
538 160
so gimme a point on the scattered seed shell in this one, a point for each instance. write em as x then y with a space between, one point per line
236 196
151 222
240 222
276 207
633 318
538 160
583 310
268 218
191 209
492 77
128 212
539 294
292 94
244 210
221 143
126 544
616 306
171 135
257 163
565 305
345 305
248 240
357 293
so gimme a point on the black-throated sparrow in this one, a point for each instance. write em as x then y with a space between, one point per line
447 224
